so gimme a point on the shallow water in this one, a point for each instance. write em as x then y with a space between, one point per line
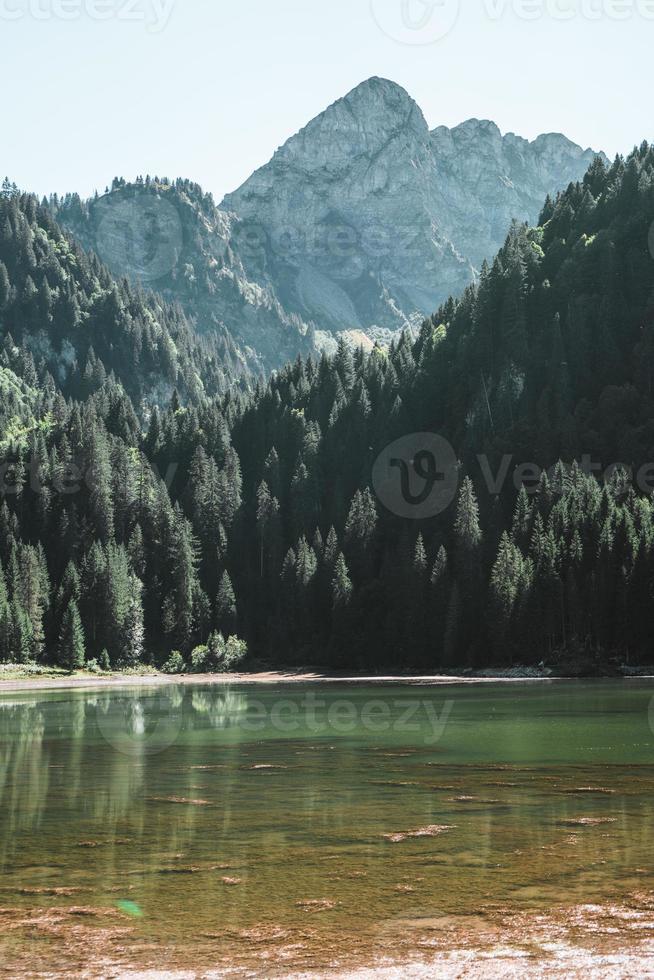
315 826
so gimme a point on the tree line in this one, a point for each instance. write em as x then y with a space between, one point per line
155 529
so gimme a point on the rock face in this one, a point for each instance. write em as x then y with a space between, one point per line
347 215
174 240
366 219
485 180
365 222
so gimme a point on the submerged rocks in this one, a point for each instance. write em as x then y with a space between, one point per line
317 905
431 831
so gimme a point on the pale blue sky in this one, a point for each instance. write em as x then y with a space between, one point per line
211 94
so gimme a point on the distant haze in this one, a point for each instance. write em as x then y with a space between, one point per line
208 90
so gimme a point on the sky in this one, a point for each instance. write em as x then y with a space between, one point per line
208 89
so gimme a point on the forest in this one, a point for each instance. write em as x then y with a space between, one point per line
161 508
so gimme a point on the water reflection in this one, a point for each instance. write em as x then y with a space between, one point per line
86 754
190 803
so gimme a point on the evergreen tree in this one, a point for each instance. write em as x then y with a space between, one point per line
226 614
341 586
71 640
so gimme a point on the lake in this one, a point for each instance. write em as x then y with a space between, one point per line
291 828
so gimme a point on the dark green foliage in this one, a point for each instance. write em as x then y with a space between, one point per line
71 320
71 640
252 512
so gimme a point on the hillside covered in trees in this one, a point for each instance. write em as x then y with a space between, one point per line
172 236
75 324
126 535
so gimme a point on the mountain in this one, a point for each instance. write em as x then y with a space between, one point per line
486 180
277 523
549 357
347 212
173 238
64 317
365 221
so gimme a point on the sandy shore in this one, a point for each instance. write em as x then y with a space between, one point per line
264 677
269 677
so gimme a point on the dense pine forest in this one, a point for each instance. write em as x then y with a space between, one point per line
155 510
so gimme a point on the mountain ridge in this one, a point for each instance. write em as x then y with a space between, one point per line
266 526
363 222
370 164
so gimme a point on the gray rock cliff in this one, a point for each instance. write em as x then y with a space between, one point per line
367 219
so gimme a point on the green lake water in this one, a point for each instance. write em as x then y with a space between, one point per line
283 828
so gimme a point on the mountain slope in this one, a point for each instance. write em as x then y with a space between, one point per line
363 222
76 322
268 525
550 356
173 238
368 219
486 180
353 195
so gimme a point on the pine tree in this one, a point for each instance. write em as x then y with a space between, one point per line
133 626
5 287
342 588
226 614
467 553
439 588
267 518
72 653
5 619
504 590
360 529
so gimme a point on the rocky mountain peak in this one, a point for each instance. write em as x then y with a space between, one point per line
364 221
383 99
383 219
361 124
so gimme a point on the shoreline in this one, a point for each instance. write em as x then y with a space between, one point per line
611 940
300 676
